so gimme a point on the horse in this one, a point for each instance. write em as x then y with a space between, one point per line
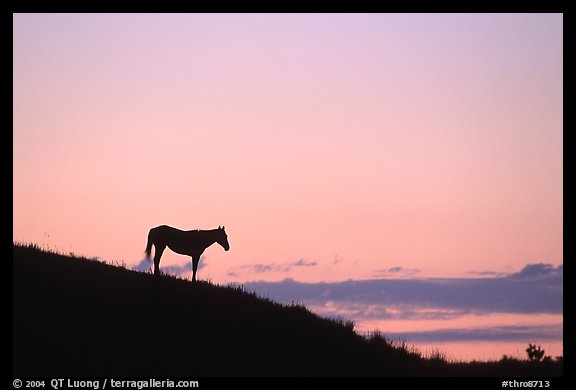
184 242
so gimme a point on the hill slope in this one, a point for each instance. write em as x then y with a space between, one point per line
74 317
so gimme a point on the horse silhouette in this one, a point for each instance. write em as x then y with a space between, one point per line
184 242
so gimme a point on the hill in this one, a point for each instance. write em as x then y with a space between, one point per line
75 317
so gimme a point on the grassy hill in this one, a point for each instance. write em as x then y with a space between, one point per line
73 317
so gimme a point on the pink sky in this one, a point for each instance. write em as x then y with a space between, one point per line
358 142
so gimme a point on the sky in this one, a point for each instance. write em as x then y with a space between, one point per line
333 147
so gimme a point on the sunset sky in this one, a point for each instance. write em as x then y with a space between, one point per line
333 147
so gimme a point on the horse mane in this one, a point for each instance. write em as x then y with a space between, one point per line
202 230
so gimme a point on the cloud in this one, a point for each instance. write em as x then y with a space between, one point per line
182 269
259 268
538 271
178 270
507 333
304 263
396 271
144 265
271 267
487 273
537 288
371 311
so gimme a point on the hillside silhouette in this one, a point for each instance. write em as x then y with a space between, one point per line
74 317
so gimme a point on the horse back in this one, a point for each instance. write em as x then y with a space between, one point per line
180 241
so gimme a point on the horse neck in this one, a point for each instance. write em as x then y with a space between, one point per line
209 237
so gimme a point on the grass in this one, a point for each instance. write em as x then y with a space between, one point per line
73 317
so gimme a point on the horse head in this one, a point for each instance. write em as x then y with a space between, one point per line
223 238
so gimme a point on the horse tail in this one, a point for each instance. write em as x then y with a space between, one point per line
149 245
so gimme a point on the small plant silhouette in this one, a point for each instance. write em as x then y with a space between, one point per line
535 353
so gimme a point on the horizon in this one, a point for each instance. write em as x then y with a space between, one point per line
211 321
398 147
481 334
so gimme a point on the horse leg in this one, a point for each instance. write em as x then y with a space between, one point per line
195 260
157 256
